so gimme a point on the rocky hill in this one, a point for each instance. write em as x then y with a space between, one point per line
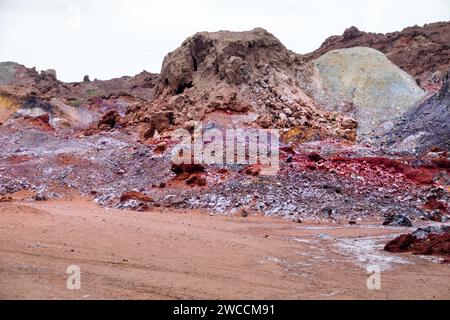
362 83
246 73
347 118
26 92
423 52
353 94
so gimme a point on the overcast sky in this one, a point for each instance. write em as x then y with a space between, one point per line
106 39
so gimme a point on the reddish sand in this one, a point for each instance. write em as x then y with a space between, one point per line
183 254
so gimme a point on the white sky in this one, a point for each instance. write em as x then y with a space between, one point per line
106 39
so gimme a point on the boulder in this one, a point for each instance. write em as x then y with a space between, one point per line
133 195
187 168
398 220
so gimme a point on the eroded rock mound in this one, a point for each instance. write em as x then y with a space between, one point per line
44 82
249 73
24 92
46 85
363 83
423 52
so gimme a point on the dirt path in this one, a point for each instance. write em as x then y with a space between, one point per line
179 254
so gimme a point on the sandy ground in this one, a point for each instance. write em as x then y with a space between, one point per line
169 254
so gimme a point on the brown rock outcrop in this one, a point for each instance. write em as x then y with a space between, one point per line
244 73
133 195
423 242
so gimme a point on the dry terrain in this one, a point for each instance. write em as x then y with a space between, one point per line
175 254
359 139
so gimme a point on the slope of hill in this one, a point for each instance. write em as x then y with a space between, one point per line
423 52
